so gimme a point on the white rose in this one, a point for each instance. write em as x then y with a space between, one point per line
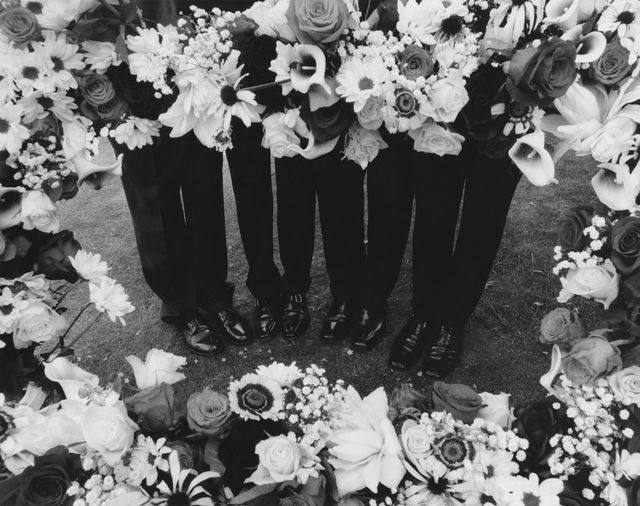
279 458
74 140
39 212
432 138
447 98
159 367
599 282
626 385
36 323
370 116
613 139
271 17
278 136
495 409
416 441
362 145
108 430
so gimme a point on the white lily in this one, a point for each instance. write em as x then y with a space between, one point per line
617 186
566 14
70 377
531 157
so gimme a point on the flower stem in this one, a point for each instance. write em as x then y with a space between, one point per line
265 86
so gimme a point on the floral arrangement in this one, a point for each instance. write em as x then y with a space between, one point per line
47 149
286 435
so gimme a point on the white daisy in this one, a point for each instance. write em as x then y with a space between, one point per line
12 132
33 73
360 79
623 18
285 375
254 397
532 491
64 58
420 20
136 132
39 104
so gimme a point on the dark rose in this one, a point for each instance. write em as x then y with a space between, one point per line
387 16
461 401
328 122
537 422
569 497
256 56
318 21
625 243
537 75
571 228
242 29
19 25
69 185
138 96
485 90
97 89
238 450
612 66
415 62
297 499
45 483
406 397
154 407
53 257
114 109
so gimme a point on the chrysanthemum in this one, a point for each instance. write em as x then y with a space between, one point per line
64 58
110 297
38 105
360 79
186 487
532 491
33 73
12 132
100 55
285 375
420 20
136 132
281 65
150 54
89 265
254 397
623 18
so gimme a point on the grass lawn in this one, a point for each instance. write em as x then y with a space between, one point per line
502 351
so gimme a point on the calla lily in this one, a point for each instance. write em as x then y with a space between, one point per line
310 68
319 97
314 149
159 367
10 215
531 157
70 377
96 175
366 452
591 47
566 14
617 187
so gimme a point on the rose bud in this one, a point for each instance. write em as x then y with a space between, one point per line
461 401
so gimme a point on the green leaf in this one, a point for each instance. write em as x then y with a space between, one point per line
121 47
211 458
259 491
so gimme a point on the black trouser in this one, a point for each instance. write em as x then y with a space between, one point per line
338 187
489 189
175 195
395 178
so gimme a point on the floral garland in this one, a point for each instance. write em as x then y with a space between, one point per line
286 435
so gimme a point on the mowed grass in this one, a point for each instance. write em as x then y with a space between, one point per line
502 350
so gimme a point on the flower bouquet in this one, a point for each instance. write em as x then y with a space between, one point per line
47 149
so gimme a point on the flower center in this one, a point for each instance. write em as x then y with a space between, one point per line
405 103
529 499
626 17
45 102
487 499
438 487
228 95
366 83
453 452
30 73
35 7
255 398
58 64
452 25
517 110
179 499
4 126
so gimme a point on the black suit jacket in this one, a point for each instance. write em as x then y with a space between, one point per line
164 10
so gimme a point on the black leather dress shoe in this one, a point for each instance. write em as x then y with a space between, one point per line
368 330
409 345
336 324
266 323
232 326
295 316
445 352
201 339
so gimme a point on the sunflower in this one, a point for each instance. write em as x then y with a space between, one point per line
254 397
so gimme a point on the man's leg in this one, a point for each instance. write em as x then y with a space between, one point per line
250 167
341 203
296 234
390 202
203 197
489 189
438 183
